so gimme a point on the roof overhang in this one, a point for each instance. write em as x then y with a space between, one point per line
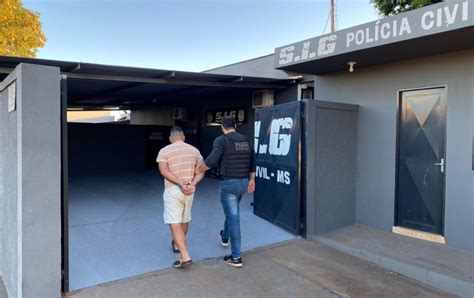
94 86
435 29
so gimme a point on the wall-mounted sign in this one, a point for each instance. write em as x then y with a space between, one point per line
214 117
433 19
11 91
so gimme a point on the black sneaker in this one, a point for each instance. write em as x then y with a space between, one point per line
224 242
237 263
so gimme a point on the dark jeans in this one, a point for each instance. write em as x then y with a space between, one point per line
232 191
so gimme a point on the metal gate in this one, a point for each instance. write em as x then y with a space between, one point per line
278 178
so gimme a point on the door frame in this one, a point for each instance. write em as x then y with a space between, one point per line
397 151
64 189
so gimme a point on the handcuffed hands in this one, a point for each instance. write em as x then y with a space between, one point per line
188 189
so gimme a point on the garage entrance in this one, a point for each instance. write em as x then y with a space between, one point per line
112 191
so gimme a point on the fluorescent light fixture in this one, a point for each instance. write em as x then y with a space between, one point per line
295 77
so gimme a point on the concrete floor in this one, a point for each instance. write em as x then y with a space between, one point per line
116 227
442 266
297 268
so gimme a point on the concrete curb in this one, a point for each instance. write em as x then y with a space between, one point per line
426 276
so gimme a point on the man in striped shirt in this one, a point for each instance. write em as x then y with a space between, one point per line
178 164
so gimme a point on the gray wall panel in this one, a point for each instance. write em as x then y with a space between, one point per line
335 167
375 90
41 177
287 95
30 185
258 67
9 197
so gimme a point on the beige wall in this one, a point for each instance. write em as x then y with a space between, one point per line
163 116
84 115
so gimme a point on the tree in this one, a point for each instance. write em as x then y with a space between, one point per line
393 7
20 30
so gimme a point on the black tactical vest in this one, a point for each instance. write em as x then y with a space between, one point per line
236 160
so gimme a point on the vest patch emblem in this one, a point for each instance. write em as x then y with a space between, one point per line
242 146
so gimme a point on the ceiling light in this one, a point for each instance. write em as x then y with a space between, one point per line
351 66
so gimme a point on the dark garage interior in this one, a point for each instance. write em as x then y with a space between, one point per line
114 191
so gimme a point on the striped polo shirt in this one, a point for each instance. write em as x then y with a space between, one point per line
183 161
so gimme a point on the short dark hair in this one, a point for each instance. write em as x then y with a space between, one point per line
176 131
228 122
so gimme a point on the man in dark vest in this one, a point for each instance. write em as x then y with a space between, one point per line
233 153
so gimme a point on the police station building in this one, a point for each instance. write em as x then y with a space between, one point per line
371 125
412 78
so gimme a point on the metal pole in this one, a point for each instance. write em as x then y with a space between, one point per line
332 15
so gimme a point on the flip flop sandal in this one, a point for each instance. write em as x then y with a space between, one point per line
175 249
181 265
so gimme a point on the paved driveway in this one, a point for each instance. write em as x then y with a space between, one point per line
296 268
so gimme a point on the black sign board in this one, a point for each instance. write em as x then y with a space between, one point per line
214 117
277 147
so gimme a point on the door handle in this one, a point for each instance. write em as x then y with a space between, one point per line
441 164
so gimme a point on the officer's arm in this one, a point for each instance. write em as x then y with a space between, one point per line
213 159
253 166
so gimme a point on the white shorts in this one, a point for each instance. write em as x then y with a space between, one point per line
177 206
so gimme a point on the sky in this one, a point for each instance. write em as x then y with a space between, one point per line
190 35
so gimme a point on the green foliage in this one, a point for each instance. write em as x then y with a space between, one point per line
20 30
394 7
